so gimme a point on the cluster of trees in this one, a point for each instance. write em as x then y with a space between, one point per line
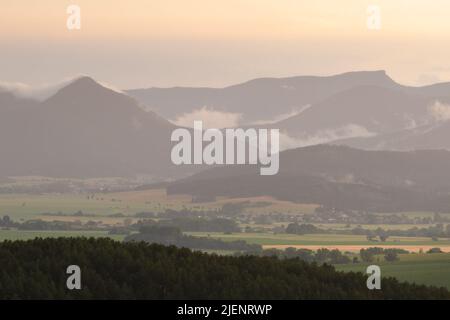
325 214
169 235
227 210
295 228
187 224
435 250
199 224
58 225
38 224
335 256
194 224
44 187
36 269
391 254
320 256
437 231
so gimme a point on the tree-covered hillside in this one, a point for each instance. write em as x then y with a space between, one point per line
110 269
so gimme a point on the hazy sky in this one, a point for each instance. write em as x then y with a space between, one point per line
141 43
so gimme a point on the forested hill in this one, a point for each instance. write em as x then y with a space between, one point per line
109 269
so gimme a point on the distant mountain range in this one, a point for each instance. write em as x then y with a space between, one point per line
337 176
88 130
310 110
264 98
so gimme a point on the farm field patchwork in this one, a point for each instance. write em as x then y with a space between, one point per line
315 241
30 206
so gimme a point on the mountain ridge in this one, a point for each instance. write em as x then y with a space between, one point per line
86 130
336 176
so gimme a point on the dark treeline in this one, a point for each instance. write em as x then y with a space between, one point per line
38 224
335 256
227 210
320 256
109 269
168 235
438 230
390 254
324 214
42 188
186 224
194 224
304 228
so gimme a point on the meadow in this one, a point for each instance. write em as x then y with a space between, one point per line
430 269
32 206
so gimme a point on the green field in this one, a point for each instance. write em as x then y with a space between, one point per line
430 269
29 206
